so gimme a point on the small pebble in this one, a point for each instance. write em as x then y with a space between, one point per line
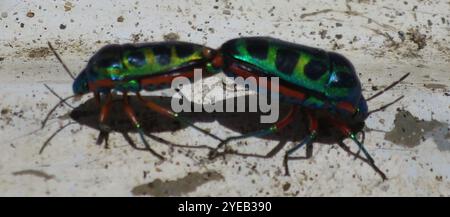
30 14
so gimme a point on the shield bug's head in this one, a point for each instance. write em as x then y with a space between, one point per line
105 66
80 85
343 83
362 111
357 120
344 88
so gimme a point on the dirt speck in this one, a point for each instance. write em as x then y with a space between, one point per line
68 6
39 52
5 111
136 37
315 13
2 58
120 19
30 14
171 37
226 12
409 131
177 187
286 186
62 26
435 86
323 33
37 173
417 37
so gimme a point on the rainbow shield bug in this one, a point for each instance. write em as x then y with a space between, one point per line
134 67
322 84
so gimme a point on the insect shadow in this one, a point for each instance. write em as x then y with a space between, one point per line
86 114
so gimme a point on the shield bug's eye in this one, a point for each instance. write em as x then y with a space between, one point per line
315 69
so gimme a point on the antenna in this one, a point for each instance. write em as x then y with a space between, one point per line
388 87
60 60
385 106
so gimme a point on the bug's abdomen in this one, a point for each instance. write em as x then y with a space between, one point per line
132 67
298 65
159 58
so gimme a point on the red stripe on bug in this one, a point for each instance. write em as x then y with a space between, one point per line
346 106
288 119
165 79
283 90
105 83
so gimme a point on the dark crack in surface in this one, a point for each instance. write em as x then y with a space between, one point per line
36 173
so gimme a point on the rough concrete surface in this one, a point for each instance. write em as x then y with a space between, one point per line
410 141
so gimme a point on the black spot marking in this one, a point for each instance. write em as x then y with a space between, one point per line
229 47
343 79
136 59
315 69
257 48
109 62
162 54
286 60
109 50
184 50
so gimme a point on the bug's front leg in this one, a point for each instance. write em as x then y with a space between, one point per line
347 132
104 113
356 155
105 109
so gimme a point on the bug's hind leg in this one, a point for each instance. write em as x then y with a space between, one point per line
132 116
264 132
312 126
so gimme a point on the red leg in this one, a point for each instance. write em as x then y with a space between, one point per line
104 110
312 126
346 131
104 113
132 116
168 113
